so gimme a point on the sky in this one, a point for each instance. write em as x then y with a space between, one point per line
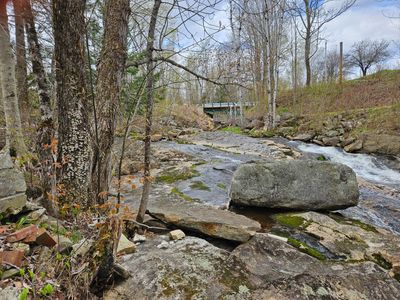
367 19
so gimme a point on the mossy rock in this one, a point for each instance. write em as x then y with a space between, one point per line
291 221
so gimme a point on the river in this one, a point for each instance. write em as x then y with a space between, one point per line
222 153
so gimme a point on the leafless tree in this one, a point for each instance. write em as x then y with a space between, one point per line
366 53
313 16
14 135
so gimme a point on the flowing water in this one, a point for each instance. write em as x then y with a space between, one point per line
379 195
369 167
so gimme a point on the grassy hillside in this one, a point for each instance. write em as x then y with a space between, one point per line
374 98
379 89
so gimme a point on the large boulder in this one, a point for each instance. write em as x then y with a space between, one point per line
303 185
12 186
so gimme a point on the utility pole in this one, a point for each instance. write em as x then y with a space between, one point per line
325 61
341 63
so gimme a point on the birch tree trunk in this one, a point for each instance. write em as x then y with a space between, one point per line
149 110
46 130
20 69
14 136
109 83
73 130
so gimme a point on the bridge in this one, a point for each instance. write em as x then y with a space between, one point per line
231 108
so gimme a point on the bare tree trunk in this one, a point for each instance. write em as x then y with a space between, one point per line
46 130
307 59
109 82
73 131
14 136
20 69
149 110
307 43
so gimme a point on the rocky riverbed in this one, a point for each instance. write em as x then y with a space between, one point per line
245 253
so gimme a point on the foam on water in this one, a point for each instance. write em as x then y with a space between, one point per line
364 165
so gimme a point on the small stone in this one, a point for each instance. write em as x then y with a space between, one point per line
305 137
35 215
176 235
139 238
156 137
10 293
357 145
23 247
82 248
64 244
9 273
163 245
125 246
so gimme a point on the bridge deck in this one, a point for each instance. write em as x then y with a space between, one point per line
225 105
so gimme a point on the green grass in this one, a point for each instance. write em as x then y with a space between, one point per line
198 185
233 129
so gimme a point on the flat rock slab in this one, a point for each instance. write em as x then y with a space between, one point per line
190 268
302 185
279 271
263 268
354 240
241 144
204 219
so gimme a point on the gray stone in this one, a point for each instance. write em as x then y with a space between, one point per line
331 133
263 268
36 214
10 293
163 245
190 268
331 141
207 220
348 141
305 137
356 146
5 160
279 271
8 274
64 244
11 182
12 204
137 238
308 185
82 248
